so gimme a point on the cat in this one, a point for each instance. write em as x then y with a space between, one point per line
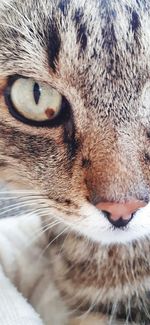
75 129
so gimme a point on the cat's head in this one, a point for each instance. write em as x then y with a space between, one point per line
75 109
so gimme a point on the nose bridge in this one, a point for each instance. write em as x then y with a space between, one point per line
115 173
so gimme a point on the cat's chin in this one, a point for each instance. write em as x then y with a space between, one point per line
96 227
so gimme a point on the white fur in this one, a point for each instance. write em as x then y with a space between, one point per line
22 258
4 3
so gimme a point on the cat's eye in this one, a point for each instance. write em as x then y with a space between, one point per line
33 102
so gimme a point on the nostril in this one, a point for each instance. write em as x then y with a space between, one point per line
107 214
120 222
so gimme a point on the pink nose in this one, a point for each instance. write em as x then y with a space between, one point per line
119 214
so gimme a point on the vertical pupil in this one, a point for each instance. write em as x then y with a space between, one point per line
36 92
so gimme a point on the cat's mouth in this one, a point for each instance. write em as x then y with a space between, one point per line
95 225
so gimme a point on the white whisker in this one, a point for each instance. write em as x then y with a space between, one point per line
20 204
26 20
52 241
41 232
16 207
14 28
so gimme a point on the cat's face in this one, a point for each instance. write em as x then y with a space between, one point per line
93 145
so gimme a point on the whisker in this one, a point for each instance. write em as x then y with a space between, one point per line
39 211
113 313
146 310
16 192
20 204
19 13
52 241
61 247
41 231
15 208
93 304
14 28
39 234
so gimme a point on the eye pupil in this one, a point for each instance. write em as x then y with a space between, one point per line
36 92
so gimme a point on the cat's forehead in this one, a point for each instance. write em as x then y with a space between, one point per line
80 29
89 45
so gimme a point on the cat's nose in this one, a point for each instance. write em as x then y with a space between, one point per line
120 214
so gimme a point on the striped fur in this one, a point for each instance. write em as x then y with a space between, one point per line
96 53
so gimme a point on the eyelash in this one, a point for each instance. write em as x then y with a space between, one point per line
62 117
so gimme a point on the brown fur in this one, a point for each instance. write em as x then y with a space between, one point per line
100 154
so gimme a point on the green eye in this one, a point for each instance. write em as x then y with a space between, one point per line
35 101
